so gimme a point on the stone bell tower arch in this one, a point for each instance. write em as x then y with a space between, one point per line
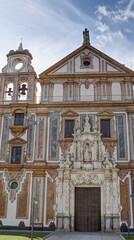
87 168
18 78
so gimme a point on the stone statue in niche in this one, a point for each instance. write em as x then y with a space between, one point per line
112 160
77 128
87 152
87 125
106 163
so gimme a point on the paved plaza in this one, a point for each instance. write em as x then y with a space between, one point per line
84 236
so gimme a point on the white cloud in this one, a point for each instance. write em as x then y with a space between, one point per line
51 29
102 27
128 30
110 37
123 14
103 10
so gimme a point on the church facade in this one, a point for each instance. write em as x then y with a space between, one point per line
67 157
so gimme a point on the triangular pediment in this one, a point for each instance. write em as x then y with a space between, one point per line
85 60
69 113
105 113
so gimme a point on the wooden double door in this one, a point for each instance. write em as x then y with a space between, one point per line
87 209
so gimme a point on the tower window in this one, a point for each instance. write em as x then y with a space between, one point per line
19 119
69 128
105 128
16 154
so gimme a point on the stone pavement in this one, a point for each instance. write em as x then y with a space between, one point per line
83 236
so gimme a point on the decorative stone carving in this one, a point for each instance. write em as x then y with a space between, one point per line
18 130
13 182
106 163
53 145
87 163
38 186
5 135
86 178
107 198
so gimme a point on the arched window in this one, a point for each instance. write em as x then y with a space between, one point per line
22 94
8 91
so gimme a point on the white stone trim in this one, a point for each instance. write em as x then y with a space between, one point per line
131 206
45 200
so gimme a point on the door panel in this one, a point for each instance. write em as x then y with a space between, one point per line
87 209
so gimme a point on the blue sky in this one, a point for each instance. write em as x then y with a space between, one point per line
51 29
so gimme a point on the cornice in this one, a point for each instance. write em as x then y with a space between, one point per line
30 167
73 77
72 105
130 111
42 114
19 105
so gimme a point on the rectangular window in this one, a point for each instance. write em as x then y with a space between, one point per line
16 154
128 91
45 97
19 119
69 128
70 92
105 128
103 91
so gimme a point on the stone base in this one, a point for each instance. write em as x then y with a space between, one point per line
116 223
111 223
63 223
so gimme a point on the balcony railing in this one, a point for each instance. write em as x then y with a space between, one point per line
61 99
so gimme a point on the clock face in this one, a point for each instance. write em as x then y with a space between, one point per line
18 64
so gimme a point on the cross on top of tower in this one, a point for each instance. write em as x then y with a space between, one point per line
20 48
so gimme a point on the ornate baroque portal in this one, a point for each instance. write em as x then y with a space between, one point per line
87 165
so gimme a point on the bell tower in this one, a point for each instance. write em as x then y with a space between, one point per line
18 78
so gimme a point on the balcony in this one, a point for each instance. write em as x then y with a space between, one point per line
76 99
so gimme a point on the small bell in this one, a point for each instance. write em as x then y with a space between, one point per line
23 89
9 91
